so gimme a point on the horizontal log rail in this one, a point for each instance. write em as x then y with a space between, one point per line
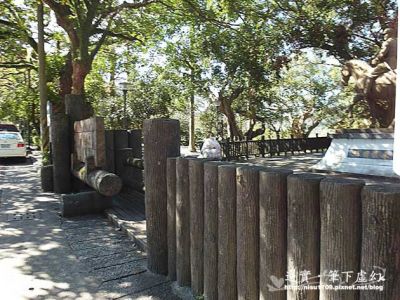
135 162
105 183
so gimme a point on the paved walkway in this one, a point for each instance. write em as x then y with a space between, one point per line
43 256
303 162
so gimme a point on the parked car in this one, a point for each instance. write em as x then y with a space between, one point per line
12 145
8 127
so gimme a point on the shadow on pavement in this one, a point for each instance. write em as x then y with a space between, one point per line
18 161
43 256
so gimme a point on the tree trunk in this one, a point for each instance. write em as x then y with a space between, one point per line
80 70
226 109
44 130
192 146
65 86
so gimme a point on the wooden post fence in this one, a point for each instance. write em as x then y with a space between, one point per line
171 211
236 231
182 223
60 143
303 236
196 196
161 140
211 229
340 233
381 240
273 225
227 287
247 229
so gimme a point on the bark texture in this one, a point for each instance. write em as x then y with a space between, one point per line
211 229
161 140
105 183
196 191
248 229
171 211
381 239
340 232
183 275
273 230
303 236
227 284
46 178
60 140
84 203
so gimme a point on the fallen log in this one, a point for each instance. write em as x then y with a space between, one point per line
105 183
84 203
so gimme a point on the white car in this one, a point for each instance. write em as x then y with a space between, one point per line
12 144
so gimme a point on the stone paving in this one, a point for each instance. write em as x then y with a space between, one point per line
43 256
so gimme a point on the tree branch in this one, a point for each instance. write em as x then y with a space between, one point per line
30 40
126 5
118 35
63 16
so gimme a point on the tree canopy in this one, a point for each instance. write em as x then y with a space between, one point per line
266 65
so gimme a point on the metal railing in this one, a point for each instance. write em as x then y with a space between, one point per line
233 150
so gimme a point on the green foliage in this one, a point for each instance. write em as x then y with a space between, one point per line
248 54
309 95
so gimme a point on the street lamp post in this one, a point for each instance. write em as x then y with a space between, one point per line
125 87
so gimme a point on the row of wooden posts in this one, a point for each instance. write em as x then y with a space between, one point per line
236 231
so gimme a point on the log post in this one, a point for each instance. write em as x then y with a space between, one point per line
273 225
46 178
227 284
303 233
171 211
247 229
131 169
60 143
135 141
211 229
110 155
120 142
196 196
77 109
161 140
183 275
380 246
340 233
